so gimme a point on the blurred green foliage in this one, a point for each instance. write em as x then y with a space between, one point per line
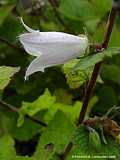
55 96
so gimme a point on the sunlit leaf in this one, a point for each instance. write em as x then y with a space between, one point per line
74 74
84 148
44 102
5 75
55 137
7 151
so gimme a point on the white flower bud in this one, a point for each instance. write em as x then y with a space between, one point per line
51 48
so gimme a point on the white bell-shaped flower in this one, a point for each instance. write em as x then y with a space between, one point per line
51 48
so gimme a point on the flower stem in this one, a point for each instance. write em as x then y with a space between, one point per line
92 82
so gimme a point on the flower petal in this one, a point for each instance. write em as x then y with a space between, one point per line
51 48
34 67
32 50
47 43
42 62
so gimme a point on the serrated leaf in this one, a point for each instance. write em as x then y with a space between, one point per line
71 111
5 75
83 148
75 78
45 101
58 134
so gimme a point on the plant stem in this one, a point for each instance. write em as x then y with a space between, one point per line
66 151
96 70
15 110
97 67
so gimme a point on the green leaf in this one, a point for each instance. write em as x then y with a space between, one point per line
7 151
57 135
99 32
102 6
4 124
26 131
44 102
111 73
92 24
75 10
88 61
83 147
24 158
112 51
63 96
10 30
107 98
55 157
5 75
75 76
107 95
91 104
4 12
71 111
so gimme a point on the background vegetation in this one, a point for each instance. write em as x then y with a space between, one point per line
38 117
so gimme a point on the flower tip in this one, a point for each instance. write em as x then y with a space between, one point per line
32 69
25 78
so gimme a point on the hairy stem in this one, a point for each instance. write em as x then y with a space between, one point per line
97 67
96 70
